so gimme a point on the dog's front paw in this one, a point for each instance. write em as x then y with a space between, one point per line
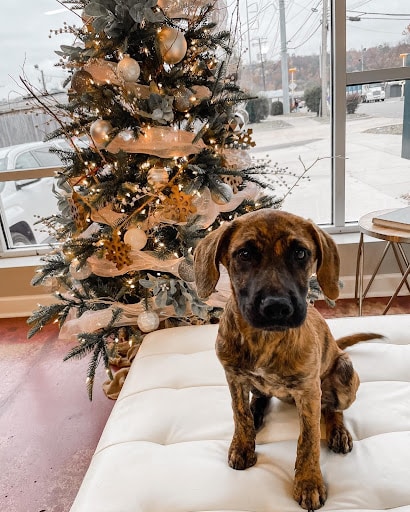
340 440
310 494
240 457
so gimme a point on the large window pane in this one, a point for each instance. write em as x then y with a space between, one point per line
22 202
377 166
377 163
285 54
377 34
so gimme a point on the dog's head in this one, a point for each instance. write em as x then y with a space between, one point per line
270 256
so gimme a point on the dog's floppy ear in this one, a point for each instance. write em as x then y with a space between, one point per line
328 263
207 255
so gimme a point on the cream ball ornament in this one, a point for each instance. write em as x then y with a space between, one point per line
172 45
148 321
79 272
136 238
128 69
100 132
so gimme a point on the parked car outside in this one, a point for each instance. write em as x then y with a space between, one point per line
23 202
374 93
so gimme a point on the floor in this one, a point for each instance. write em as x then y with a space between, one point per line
48 427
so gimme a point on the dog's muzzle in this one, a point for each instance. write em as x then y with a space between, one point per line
276 313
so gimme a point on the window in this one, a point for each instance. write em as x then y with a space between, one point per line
362 164
340 52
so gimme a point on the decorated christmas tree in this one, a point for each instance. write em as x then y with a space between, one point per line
158 157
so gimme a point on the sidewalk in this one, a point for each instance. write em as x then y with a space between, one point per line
376 175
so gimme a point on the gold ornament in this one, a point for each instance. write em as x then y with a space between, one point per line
233 181
157 177
128 69
78 211
246 138
172 45
178 206
81 81
117 251
100 132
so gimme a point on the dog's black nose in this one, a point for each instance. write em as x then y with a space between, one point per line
276 308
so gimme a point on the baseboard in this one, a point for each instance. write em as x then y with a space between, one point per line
24 305
383 286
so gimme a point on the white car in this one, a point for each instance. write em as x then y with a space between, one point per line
23 202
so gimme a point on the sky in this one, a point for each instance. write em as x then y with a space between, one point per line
25 27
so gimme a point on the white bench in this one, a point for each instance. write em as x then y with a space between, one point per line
165 445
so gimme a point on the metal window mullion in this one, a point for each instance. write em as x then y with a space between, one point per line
27 174
338 111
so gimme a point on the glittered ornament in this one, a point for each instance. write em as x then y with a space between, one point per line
222 194
184 99
100 132
186 271
128 69
136 238
172 45
78 271
157 177
81 81
148 321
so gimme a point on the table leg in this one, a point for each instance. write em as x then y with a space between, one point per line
358 289
377 268
403 280
406 261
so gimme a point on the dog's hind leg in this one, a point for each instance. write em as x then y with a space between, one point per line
339 389
259 403
339 439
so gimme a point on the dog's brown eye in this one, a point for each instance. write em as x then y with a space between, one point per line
300 254
244 255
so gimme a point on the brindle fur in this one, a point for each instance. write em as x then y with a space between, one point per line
271 343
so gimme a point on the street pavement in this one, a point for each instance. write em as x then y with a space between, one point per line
377 177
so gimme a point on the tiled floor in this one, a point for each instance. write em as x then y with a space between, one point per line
48 427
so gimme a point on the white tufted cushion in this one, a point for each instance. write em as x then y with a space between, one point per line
165 445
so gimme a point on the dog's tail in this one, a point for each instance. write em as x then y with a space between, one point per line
348 341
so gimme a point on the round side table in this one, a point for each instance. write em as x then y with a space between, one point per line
394 239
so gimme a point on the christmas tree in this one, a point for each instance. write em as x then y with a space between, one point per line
158 157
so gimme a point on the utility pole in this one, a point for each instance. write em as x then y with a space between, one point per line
323 109
259 43
284 57
249 34
43 80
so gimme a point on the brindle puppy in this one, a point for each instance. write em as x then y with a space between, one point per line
271 343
